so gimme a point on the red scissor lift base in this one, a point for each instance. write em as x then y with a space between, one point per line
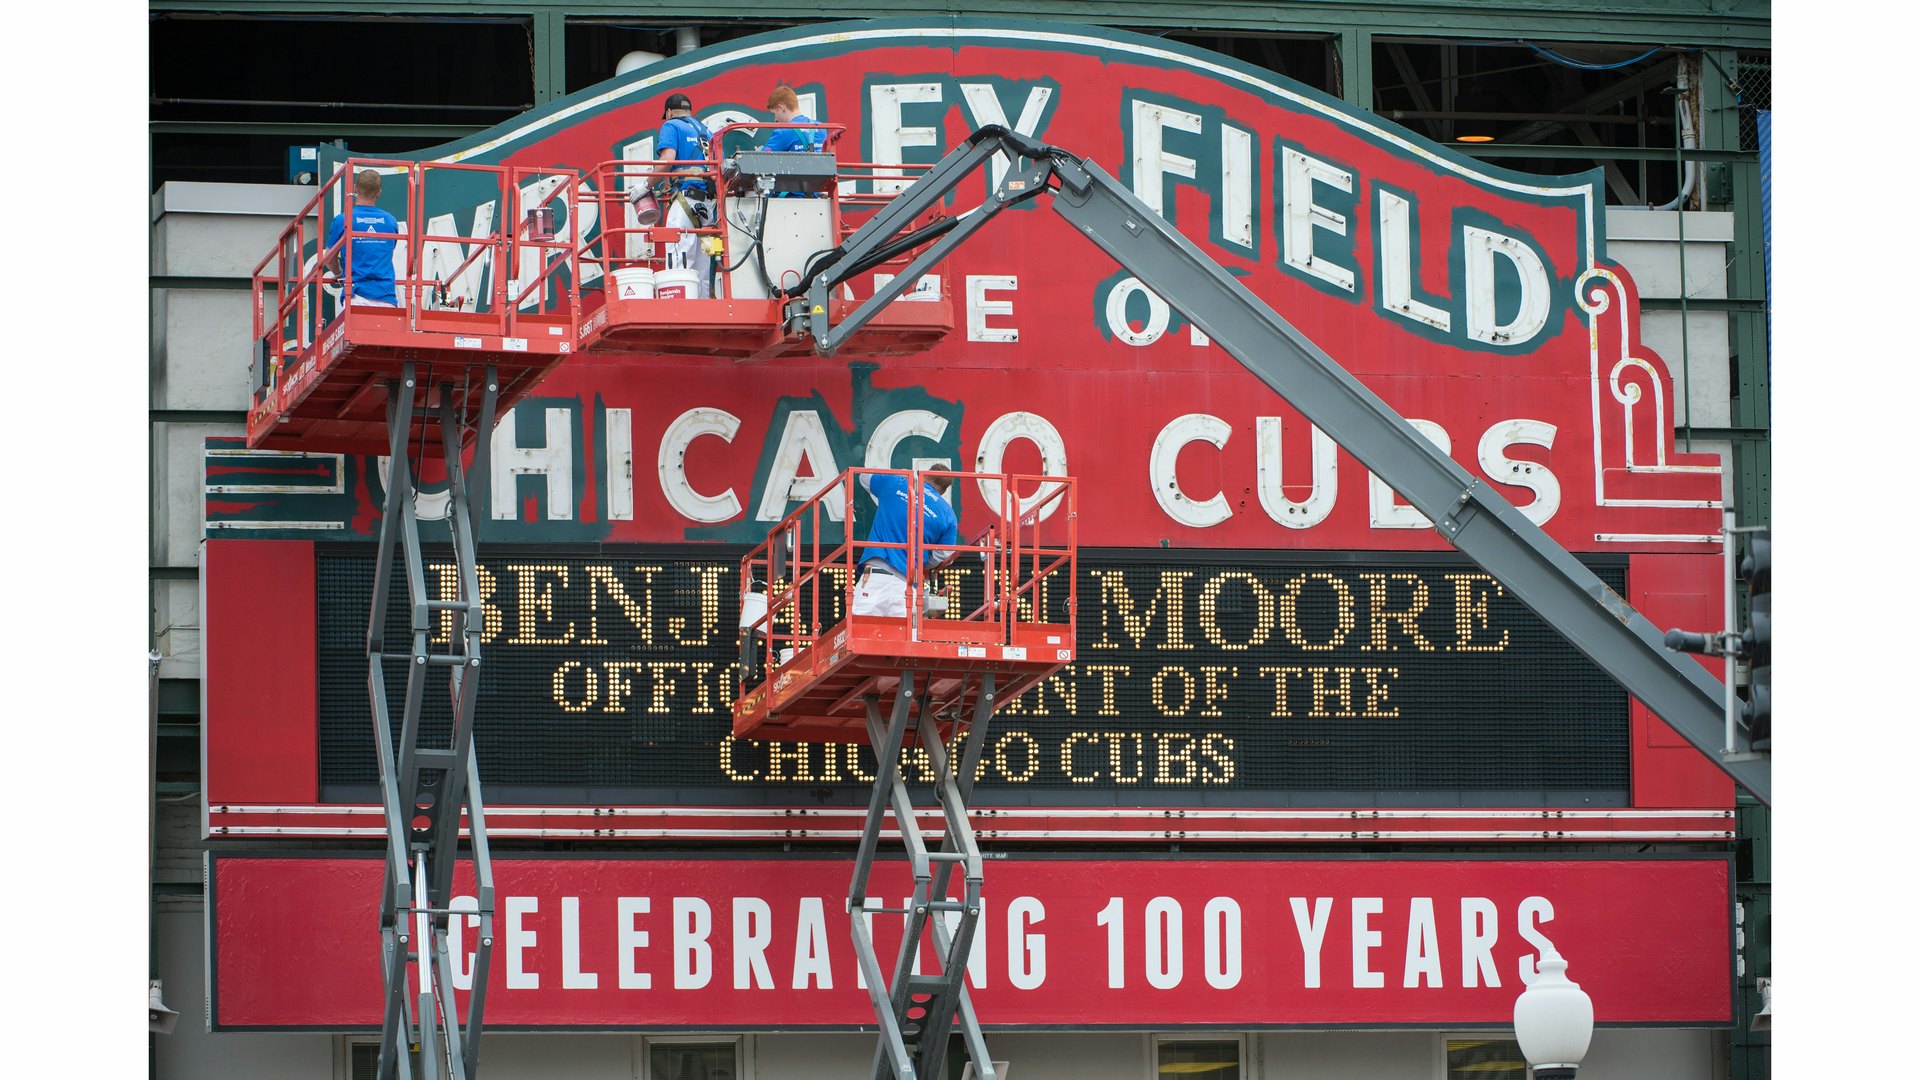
752 330
331 397
821 692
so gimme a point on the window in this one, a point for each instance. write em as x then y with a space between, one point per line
692 1057
1216 1057
1482 1058
359 1058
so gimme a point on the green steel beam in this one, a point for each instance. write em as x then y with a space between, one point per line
173 573
313 131
549 56
1725 23
1354 48
1619 153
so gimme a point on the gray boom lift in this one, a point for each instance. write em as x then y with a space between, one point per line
1468 512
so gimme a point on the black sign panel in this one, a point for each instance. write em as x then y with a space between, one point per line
1226 678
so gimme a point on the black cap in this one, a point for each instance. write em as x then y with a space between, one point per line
678 101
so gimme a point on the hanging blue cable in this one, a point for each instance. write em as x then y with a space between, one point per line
1584 66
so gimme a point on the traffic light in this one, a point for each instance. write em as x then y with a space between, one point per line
1757 642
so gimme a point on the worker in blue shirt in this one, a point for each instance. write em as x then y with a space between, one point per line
372 260
683 138
785 105
882 585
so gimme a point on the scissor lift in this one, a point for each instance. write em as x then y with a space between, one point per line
422 379
812 670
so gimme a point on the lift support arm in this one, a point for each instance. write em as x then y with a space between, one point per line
1468 512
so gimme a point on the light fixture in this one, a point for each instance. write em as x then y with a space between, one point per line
160 1019
1763 1020
1553 1020
1475 129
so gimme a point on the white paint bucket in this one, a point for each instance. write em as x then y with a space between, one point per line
786 655
753 608
676 284
635 283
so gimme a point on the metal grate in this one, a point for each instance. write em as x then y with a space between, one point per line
1753 73
1271 675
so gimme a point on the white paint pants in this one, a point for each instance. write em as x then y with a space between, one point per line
690 254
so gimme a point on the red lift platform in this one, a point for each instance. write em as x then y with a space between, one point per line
745 318
322 362
1020 626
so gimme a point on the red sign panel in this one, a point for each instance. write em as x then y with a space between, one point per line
1477 301
736 944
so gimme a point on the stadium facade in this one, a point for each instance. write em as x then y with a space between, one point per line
1315 794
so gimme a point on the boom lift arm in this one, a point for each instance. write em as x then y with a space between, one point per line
1468 512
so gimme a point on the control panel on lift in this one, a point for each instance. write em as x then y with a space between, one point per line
696 257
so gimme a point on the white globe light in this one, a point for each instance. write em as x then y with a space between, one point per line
1553 1019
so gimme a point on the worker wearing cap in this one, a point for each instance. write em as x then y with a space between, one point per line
882 585
372 260
683 138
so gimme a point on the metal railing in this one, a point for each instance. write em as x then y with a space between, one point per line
793 568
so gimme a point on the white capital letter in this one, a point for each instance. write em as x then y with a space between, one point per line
1519 472
1480 246
553 461
685 428
632 940
519 940
692 956
1303 215
1313 934
1162 475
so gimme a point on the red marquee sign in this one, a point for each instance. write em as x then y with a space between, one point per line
1477 301
732 944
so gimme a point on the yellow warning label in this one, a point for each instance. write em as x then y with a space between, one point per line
818 310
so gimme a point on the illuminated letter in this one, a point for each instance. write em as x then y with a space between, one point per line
1002 433
1152 162
690 504
890 135
1303 215
553 461
979 307
803 439
1396 265
1518 471
1318 504
1181 507
1535 288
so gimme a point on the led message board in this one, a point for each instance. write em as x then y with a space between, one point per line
1239 678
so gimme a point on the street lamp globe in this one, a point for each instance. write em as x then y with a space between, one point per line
1553 1020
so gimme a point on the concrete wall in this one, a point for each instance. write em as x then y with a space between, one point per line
206 240
1647 243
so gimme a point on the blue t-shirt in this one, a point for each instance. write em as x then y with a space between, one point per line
796 138
687 138
942 528
372 259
